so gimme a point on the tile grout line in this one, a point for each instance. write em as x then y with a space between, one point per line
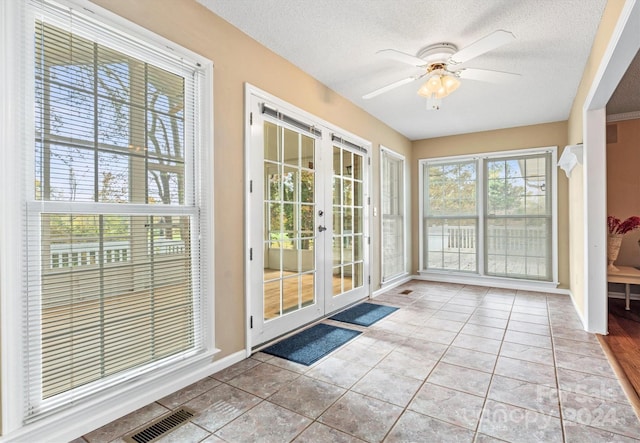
396 345
555 371
495 364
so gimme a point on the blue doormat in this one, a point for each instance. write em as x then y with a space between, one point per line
310 345
364 314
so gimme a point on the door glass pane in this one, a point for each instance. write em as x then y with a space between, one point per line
337 160
290 292
291 147
307 152
337 280
348 222
271 298
308 289
273 179
271 151
357 167
289 219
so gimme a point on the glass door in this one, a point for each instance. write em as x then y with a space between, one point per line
289 273
348 233
289 259
306 223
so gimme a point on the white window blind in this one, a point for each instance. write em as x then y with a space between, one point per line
518 220
491 215
451 216
393 215
114 220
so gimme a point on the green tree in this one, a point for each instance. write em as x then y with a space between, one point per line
505 188
451 189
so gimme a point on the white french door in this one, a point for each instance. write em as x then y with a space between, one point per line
307 221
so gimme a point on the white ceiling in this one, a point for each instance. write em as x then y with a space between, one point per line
336 41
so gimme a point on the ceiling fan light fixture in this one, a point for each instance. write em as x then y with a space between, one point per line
439 85
450 83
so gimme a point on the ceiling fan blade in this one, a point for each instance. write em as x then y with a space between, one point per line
485 44
486 75
392 54
391 86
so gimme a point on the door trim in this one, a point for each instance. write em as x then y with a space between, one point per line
253 91
621 48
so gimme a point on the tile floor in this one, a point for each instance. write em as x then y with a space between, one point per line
454 363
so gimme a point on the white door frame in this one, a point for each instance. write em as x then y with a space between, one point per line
622 48
252 92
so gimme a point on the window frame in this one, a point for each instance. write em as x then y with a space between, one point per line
481 277
384 151
474 217
547 216
18 86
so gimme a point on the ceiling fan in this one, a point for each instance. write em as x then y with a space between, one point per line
439 62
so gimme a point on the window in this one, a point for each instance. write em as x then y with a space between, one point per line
508 198
117 211
518 218
451 216
393 215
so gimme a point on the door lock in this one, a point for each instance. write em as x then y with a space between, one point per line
321 228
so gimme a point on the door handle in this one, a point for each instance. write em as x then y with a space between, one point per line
321 228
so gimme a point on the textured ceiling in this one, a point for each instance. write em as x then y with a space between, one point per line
336 41
626 98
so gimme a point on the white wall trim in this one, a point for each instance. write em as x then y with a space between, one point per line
494 282
11 258
621 50
66 426
623 116
595 215
578 311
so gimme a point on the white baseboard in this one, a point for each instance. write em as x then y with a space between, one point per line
384 287
79 420
578 311
493 282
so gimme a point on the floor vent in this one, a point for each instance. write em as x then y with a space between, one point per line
406 291
160 427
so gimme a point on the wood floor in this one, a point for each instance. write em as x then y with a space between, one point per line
295 290
624 338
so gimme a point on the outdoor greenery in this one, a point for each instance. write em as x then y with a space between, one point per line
452 190
136 144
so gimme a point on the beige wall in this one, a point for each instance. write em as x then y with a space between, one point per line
609 20
549 134
623 184
239 59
